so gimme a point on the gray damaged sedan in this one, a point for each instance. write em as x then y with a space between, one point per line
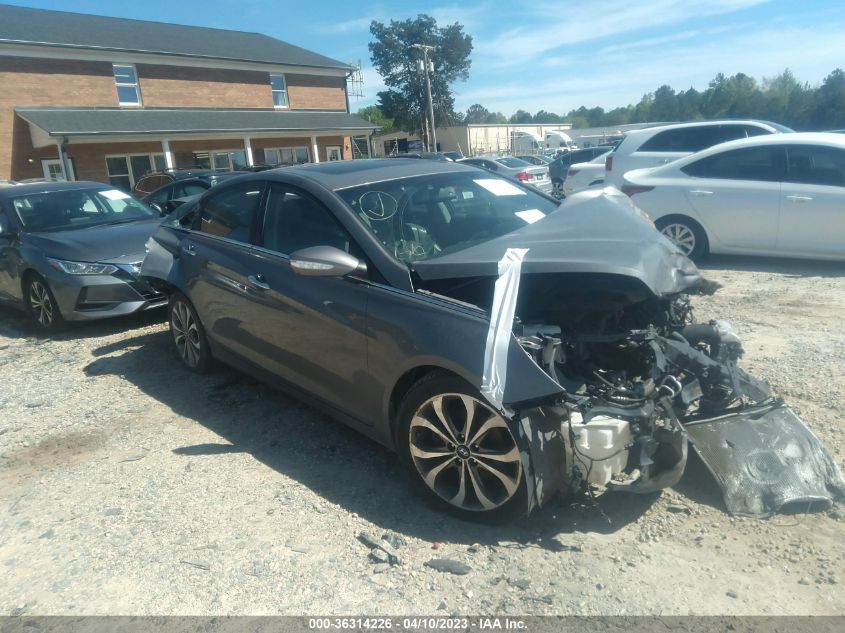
73 252
508 349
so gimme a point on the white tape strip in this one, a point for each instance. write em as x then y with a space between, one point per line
501 325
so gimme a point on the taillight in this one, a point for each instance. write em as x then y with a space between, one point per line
631 190
572 172
524 175
608 163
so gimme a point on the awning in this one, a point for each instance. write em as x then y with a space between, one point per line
158 122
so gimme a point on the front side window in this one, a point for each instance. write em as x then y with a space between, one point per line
126 80
231 212
812 165
752 163
73 209
294 221
422 217
280 91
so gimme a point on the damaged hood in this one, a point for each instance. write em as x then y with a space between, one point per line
597 231
115 243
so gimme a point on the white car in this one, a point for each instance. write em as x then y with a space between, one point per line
582 176
654 146
780 195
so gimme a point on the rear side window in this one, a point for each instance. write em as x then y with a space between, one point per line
690 139
753 163
816 165
231 212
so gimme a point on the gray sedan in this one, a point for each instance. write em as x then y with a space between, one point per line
72 252
516 169
507 349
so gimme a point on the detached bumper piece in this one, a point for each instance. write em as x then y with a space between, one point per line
766 459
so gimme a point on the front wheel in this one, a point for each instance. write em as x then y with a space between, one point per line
188 334
686 234
557 189
41 304
460 452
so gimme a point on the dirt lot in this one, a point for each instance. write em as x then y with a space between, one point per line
129 486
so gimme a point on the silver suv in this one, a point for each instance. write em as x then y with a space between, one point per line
654 146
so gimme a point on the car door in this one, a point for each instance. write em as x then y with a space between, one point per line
736 194
310 330
215 261
813 202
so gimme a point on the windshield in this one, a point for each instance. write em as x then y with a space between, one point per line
426 216
78 208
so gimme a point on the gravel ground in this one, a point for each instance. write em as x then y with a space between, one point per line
129 486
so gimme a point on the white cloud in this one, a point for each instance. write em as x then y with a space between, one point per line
554 25
620 76
358 24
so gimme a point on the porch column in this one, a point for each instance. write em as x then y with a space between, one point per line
62 159
168 155
314 154
248 151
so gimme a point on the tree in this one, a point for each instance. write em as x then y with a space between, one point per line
477 113
547 117
829 102
405 100
665 105
373 114
520 117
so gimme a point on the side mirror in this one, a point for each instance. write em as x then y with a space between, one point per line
159 208
325 261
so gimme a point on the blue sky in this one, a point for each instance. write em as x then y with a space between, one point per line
546 54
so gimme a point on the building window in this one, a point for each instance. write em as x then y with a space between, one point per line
286 156
221 160
280 91
125 171
126 80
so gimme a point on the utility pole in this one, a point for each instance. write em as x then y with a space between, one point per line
426 67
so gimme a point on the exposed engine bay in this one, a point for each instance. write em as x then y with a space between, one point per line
640 380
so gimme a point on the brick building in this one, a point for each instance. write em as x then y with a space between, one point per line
96 98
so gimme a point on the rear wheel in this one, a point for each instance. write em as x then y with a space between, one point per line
557 189
41 304
188 334
686 234
460 452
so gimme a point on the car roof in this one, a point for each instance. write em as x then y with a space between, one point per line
648 131
351 173
50 187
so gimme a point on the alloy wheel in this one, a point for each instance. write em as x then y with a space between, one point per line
186 334
465 452
682 236
41 304
557 190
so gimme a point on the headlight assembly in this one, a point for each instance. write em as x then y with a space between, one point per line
82 268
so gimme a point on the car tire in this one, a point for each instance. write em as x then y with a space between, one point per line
476 477
686 234
188 334
557 189
41 304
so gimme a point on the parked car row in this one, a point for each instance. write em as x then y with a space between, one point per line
371 288
536 175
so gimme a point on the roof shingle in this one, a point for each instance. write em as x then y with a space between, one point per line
23 25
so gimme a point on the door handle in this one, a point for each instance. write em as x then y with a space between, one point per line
664 161
189 249
701 192
799 198
257 281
